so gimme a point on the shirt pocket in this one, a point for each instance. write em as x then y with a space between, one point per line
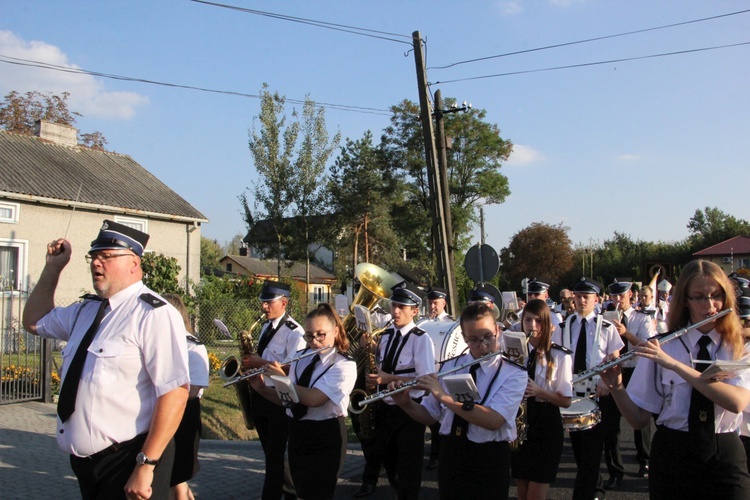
673 386
107 355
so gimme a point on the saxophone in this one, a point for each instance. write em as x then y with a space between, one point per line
365 414
521 426
231 368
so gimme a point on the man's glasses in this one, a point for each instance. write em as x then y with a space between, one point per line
712 298
105 257
485 340
320 336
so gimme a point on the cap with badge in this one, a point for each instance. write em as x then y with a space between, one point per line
619 287
435 293
406 294
115 236
743 304
587 285
481 293
741 283
273 290
535 285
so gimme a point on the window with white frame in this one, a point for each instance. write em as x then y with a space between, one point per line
744 263
13 259
139 224
319 294
9 212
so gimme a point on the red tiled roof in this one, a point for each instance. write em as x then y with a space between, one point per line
736 245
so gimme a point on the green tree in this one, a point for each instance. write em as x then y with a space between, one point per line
20 112
160 273
539 250
272 149
307 191
711 226
211 254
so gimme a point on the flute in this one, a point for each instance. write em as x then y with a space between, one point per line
663 338
408 385
257 371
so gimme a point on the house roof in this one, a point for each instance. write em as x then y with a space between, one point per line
33 168
736 245
260 267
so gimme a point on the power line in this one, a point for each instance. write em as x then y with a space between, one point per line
582 65
66 69
590 39
312 22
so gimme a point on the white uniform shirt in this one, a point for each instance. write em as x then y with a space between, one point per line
416 358
504 397
598 345
444 316
197 364
284 344
334 375
138 355
560 375
672 401
642 326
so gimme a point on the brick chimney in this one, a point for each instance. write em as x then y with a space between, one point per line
65 135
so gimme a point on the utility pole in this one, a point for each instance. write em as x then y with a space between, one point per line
441 237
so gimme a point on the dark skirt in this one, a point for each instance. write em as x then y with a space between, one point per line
316 454
473 470
186 440
675 472
538 458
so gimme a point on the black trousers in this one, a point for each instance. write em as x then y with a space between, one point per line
104 474
611 426
272 425
676 473
187 440
587 450
473 470
316 454
400 443
373 463
435 438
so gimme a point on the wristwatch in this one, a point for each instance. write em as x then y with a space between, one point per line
142 459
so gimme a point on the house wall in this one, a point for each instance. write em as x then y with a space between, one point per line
39 224
734 263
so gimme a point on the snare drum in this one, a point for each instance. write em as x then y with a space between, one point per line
582 414
446 337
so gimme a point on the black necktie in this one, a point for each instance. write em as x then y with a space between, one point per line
579 361
460 425
624 322
701 414
389 363
69 390
268 335
298 409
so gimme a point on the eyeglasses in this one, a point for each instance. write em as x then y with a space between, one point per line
105 257
485 340
712 298
320 336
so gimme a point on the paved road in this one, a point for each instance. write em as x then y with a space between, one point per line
32 466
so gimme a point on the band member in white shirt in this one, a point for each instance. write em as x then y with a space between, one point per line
436 303
475 450
696 451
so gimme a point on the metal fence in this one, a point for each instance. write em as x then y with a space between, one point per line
23 357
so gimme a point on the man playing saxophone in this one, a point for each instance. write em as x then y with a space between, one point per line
475 451
279 340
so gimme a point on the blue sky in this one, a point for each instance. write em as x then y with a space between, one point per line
631 146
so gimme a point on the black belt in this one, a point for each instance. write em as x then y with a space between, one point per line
115 447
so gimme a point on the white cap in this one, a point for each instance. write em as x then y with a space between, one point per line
664 286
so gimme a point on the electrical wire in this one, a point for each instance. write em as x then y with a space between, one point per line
583 65
80 71
311 22
590 39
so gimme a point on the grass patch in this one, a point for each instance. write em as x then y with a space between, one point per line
221 414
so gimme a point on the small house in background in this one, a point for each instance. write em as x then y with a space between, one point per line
322 282
51 187
732 255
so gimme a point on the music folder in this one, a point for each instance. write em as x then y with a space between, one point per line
721 369
461 387
285 389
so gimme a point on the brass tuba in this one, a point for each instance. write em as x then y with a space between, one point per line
231 368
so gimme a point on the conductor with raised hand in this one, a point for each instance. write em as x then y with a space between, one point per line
125 369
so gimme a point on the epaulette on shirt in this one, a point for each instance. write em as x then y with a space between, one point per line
562 348
647 312
345 355
606 323
193 339
91 296
417 331
152 300
292 325
514 363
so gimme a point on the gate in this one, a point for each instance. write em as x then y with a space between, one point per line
23 356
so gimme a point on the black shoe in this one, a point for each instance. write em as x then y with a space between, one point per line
365 490
642 471
432 464
613 483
